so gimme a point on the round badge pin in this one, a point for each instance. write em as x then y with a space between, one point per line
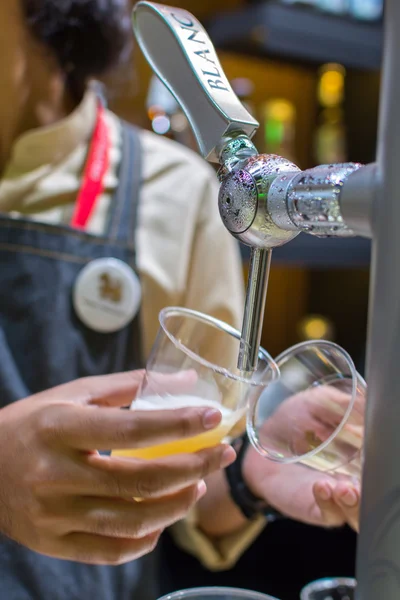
107 295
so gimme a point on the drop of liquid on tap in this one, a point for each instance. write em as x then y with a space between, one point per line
238 201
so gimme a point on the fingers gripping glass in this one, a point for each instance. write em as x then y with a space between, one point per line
314 413
193 363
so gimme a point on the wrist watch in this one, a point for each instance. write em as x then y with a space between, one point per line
249 505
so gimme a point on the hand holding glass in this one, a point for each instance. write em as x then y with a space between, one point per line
193 363
314 413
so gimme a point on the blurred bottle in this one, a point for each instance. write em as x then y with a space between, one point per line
315 327
244 89
330 138
166 115
279 120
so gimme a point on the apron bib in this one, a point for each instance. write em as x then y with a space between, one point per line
44 343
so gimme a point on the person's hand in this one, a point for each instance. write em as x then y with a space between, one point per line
338 501
305 420
60 497
302 493
299 424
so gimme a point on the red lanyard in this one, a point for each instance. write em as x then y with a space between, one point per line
94 174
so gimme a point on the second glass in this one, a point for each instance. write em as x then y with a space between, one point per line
314 413
193 362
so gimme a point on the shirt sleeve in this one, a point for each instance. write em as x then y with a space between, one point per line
215 555
215 286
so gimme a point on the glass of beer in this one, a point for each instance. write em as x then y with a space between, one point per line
338 588
314 413
216 593
193 362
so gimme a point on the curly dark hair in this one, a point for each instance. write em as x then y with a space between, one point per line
87 37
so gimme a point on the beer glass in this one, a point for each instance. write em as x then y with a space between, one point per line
314 413
193 362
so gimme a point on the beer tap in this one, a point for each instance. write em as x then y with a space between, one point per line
265 200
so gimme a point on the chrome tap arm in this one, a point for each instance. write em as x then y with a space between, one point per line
264 201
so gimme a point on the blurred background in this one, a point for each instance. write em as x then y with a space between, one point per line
310 73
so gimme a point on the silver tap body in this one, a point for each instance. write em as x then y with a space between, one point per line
265 200
244 201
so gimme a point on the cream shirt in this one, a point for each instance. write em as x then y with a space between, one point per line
184 255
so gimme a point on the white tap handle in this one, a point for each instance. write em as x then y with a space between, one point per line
180 52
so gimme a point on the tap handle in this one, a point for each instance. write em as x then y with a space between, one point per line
180 52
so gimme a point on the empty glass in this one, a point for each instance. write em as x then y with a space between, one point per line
314 413
216 593
339 588
193 362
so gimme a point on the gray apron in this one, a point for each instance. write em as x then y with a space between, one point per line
43 344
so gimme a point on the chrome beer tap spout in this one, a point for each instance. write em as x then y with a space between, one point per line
265 200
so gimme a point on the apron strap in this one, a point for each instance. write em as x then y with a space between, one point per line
124 212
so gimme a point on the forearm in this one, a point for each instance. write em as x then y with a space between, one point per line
216 532
217 514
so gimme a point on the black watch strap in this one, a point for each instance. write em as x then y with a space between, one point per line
250 506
